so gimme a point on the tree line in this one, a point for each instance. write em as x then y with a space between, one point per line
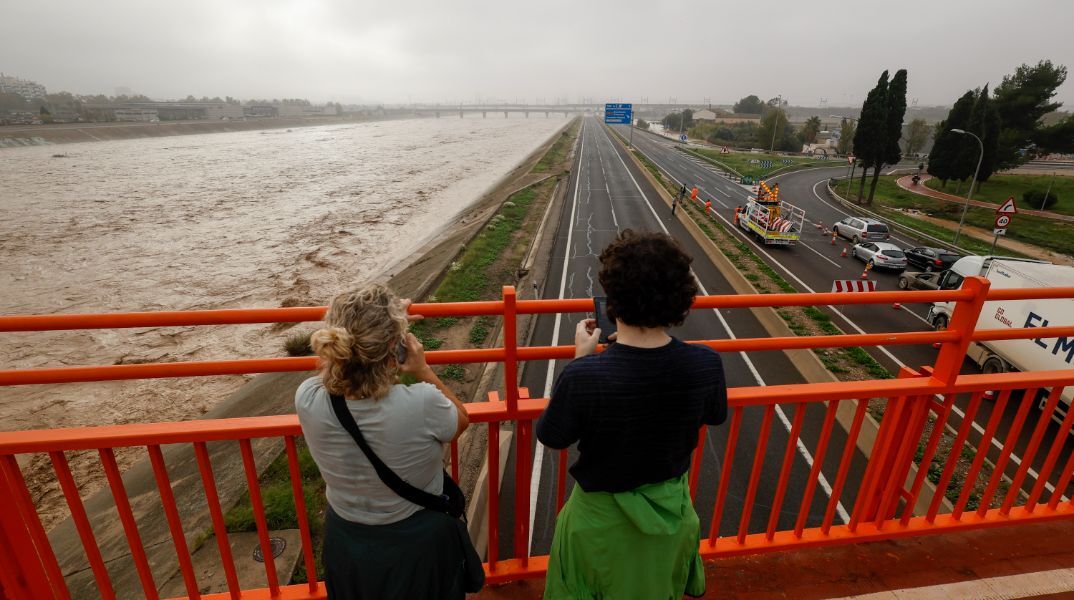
1009 122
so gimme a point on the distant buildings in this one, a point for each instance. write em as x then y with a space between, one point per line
144 115
23 87
704 115
294 109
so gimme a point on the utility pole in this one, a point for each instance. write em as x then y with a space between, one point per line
775 126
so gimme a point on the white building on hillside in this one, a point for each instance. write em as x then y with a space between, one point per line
704 115
23 87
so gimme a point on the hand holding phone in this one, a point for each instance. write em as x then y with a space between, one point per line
605 324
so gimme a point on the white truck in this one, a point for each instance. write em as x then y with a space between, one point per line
1039 354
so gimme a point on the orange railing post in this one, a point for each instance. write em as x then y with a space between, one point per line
963 321
21 573
523 427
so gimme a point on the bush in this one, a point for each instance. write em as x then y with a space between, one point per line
1033 199
298 344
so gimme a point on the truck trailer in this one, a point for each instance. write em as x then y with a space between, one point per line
1038 354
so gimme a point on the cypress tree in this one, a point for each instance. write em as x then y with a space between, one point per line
943 160
870 137
985 122
896 111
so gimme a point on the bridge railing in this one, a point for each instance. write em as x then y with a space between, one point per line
906 479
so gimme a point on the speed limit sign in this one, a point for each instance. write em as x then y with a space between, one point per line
1002 221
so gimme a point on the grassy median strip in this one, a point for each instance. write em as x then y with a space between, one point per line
748 163
939 218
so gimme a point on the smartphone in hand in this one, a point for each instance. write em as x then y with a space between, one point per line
606 325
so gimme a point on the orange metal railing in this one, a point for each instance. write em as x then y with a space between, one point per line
886 500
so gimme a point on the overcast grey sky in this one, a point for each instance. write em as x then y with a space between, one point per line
450 51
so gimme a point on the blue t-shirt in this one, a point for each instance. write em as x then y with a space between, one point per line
635 412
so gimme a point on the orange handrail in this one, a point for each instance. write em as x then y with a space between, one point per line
878 492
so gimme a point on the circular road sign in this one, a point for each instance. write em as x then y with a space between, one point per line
682 138
1003 221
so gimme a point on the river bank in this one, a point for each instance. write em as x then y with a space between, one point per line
71 133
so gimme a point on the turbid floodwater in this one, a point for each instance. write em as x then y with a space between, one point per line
230 220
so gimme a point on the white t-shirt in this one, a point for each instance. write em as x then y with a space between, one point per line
406 429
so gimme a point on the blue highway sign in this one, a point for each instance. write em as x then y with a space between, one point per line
619 114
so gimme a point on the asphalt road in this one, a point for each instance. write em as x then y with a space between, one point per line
814 263
606 195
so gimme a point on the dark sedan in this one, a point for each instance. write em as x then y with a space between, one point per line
930 259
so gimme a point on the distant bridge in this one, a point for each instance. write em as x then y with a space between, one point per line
444 110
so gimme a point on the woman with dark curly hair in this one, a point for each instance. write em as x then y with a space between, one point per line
629 529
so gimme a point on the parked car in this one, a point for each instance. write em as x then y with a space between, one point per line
930 259
857 229
880 255
919 281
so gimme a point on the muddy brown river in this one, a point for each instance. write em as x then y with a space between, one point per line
228 220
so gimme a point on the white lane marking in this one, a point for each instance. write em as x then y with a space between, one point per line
538 458
817 252
799 444
962 415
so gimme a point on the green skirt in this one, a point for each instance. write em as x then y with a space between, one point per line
637 544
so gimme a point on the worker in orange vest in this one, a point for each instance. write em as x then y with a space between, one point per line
738 212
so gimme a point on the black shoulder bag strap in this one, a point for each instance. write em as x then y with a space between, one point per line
408 492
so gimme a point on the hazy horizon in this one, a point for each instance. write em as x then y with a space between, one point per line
437 52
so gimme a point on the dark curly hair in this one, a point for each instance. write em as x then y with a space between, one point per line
647 279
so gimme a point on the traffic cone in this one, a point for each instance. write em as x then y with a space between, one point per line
865 273
844 253
990 395
896 306
820 225
833 239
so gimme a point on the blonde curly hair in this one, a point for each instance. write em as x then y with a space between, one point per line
357 349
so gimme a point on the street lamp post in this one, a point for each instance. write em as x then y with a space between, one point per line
969 195
779 101
850 167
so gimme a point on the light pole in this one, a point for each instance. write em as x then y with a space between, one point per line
775 126
1048 193
969 195
850 167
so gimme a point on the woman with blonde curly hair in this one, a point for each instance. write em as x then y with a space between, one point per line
378 544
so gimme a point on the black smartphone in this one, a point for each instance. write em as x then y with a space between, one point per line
606 325
400 351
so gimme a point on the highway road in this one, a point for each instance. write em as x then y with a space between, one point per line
814 263
607 194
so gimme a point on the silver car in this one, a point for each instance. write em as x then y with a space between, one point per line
860 229
881 255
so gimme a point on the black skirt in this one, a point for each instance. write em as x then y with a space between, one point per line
422 556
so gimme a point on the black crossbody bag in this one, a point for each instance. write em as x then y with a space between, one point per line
451 502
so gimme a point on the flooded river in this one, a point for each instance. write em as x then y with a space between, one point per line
230 220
